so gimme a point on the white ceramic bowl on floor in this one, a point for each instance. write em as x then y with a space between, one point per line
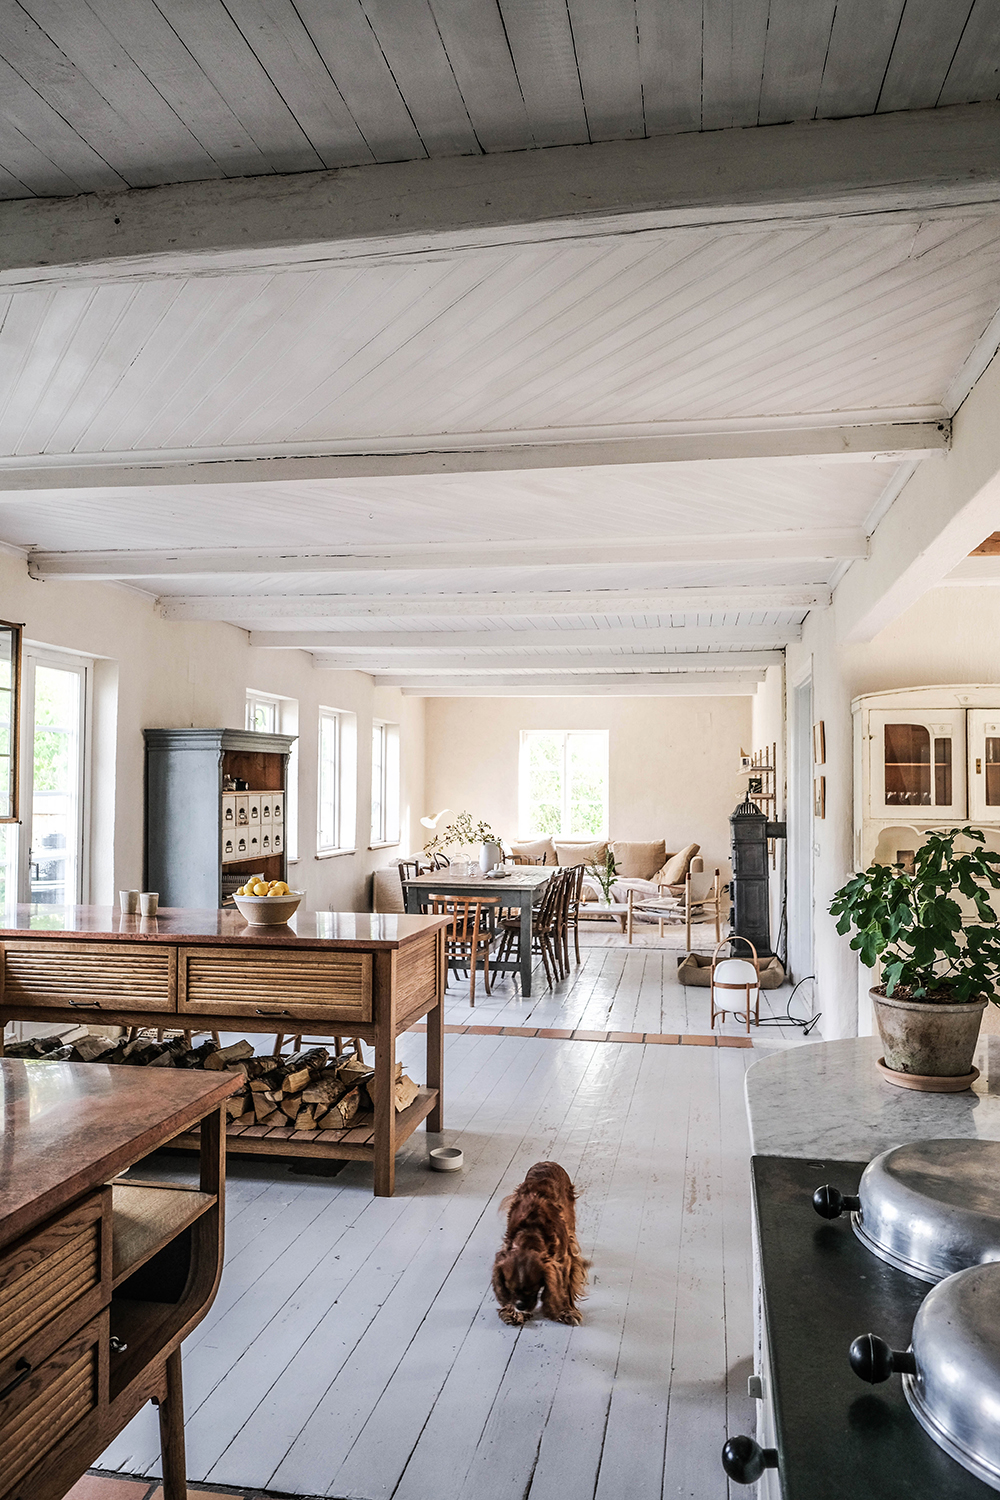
445 1158
268 911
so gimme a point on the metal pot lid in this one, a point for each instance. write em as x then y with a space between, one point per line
930 1208
951 1373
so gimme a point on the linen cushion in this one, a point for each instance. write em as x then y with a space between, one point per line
581 854
534 849
676 867
639 861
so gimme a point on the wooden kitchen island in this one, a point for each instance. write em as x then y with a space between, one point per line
325 974
101 1277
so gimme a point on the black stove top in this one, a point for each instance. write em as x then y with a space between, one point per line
839 1439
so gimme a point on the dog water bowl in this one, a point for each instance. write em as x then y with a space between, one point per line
446 1158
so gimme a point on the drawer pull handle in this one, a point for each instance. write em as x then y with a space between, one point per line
25 1369
117 1346
86 1004
272 1012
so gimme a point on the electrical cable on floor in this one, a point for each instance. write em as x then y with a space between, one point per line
788 1019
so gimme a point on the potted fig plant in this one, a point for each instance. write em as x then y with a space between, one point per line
936 934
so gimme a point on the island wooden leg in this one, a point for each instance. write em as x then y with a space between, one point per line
172 1432
435 1050
385 1077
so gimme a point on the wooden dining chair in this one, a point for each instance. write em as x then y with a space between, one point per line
408 869
470 934
544 930
574 894
524 859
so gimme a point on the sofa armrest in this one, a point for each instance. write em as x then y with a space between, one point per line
697 865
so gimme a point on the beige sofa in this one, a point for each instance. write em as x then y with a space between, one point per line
645 868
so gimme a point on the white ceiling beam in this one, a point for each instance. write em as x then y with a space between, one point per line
922 160
676 639
826 442
548 661
973 572
296 609
934 523
841 543
637 685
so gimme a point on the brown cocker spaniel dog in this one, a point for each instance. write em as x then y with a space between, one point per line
540 1254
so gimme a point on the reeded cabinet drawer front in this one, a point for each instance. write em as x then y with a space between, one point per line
56 1272
304 985
43 1408
79 975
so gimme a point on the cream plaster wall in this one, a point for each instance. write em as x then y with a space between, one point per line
158 673
951 635
673 762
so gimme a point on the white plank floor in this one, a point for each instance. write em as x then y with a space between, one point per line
354 1348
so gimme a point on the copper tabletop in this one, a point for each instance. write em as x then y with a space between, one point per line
342 929
65 1128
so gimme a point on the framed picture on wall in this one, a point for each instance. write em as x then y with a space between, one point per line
819 796
819 743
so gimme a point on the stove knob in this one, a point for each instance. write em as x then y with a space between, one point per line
745 1461
873 1360
829 1202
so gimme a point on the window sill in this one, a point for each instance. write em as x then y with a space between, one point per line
385 844
333 853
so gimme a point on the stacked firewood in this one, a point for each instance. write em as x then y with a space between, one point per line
307 1090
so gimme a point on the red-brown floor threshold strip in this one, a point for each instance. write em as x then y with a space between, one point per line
98 1486
645 1037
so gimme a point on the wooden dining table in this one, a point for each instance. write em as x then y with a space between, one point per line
522 887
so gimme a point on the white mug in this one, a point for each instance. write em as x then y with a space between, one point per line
128 902
148 902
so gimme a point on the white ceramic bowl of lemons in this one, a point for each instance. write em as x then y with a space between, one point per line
267 903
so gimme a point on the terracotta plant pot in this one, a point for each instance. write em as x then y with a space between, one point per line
928 1039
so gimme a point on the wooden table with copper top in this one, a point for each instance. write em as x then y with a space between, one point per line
100 1279
328 974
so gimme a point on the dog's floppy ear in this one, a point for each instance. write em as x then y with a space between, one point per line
501 1290
554 1272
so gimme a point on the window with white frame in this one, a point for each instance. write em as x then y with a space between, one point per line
563 783
52 852
336 806
263 713
385 783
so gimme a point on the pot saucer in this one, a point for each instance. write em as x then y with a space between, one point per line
927 1083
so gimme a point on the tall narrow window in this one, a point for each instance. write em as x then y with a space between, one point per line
328 824
564 782
54 781
385 783
337 782
262 713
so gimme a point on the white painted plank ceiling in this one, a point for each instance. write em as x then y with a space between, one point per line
629 333
107 93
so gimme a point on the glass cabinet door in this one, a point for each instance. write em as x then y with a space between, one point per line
984 764
918 764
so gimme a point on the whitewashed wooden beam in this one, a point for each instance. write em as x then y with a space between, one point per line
973 572
840 543
548 661
934 523
511 605
831 441
933 160
628 685
679 640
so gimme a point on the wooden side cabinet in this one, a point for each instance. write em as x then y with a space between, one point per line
100 1280
201 841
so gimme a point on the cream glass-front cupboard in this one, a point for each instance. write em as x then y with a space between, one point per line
924 758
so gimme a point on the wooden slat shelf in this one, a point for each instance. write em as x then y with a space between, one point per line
147 1218
355 1143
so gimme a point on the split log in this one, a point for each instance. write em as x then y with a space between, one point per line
327 1088
342 1113
223 1056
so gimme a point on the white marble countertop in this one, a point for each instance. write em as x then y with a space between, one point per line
827 1100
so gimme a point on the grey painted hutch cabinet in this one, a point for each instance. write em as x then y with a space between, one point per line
201 841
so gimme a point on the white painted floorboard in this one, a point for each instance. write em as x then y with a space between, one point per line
354 1348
